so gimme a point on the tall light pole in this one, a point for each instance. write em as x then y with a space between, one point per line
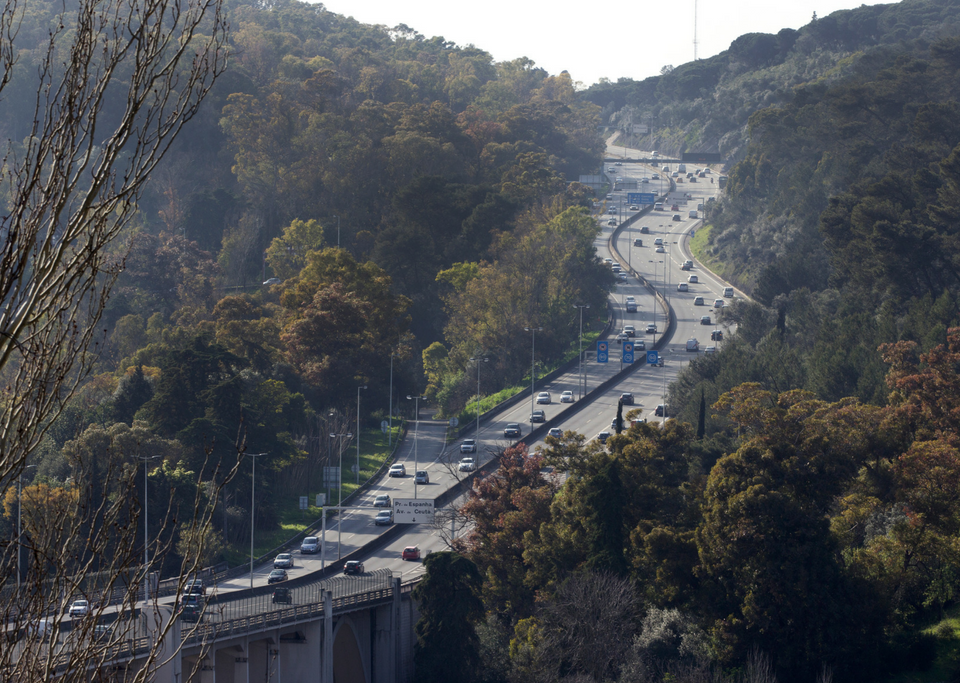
580 371
416 440
338 231
253 486
339 489
19 523
358 432
533 367
479 360
146 532
390 400
655 302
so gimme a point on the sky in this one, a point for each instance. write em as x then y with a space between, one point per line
633 43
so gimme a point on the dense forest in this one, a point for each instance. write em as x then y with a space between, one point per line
355 205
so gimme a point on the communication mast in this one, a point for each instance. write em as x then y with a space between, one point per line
694 30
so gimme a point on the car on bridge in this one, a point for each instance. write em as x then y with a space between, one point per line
277 575
555 432
397 470
353 567
626 398
512 430
421 477
411 552
310 545
282 595
468 446
538 416
283 561
566 397
383 518
467 465
382 501
705 320
544 397
79 609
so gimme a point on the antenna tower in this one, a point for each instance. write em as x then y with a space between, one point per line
694 30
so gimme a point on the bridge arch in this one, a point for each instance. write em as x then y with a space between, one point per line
348 663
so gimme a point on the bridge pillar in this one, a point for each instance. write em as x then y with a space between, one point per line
395 629
326 658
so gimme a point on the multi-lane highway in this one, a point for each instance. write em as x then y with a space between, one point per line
424 447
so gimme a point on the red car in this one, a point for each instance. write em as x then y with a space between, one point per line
411 552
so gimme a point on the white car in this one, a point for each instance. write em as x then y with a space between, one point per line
651 328
693 279
283 561
382 501
468 446
310 545
397 470
467 465
661 250
79 608
544 397
566 397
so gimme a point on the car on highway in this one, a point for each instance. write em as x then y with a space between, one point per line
626 398
658 242
693 280
621 277
719 303
411 552
79 609
353 567
603 436
421 477
191 608
282 595
283 561
661 250
616 268
397 470
655 176
195 587
467 464
512 430
383 518
639 345
634 207
716 335
651 328
555 432
382 501
566 397
644 229
544 397
468 446
704 319
630 330
310 545
538 416
608 260
675 207
612 221
710 349
661 410
622 337
638 242
698 301
676 217
683 287
272 281
687 265
277 575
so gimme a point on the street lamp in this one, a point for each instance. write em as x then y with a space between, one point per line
655 303
533 367
338 231
416 440
478 360
19 524
339 490
146 533
253 486
580 371
358 432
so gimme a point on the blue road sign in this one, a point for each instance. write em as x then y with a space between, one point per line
627 352
652 357
641 198
603 351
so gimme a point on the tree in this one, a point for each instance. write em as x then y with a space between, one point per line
115 84
447 647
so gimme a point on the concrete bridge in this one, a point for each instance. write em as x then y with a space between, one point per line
349 629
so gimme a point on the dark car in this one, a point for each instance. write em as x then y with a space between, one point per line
277 575
282 596
512 430
716 335
538 416
353 567
626 398
191 613
676 217
661 411
195 587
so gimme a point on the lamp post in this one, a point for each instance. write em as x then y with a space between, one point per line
533 367
358 432
655 303
416 440
580 371
339 488
479 360
253 486
338 231
390 400
19 522
146 533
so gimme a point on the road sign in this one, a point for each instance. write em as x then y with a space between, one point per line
384 426
304 502
627 352
413 510
641 198
653 357
454 422
331 477
603 351
321 499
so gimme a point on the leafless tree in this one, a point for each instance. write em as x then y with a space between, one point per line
71 189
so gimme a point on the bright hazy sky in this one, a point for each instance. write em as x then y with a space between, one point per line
635 42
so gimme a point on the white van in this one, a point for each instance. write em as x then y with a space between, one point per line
693 214
728 292
658 206
693 345
682 168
